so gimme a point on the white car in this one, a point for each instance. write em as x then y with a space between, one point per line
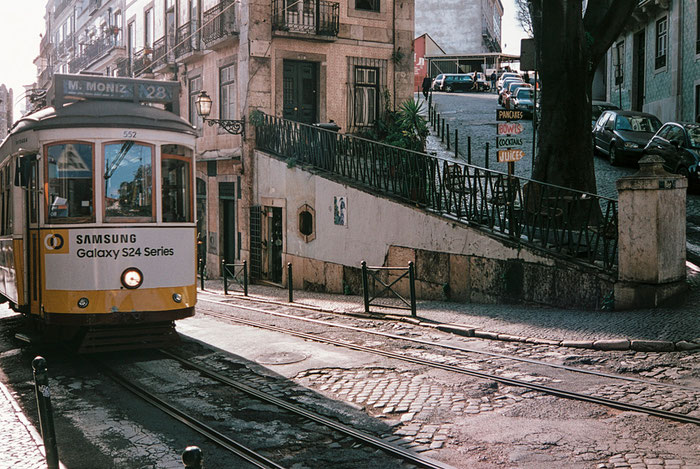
503 77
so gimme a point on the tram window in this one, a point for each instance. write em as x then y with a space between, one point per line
175 171
128 181
70 182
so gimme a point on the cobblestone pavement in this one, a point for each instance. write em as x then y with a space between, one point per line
21 443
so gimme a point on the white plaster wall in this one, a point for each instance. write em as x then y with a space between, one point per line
373 223
454 24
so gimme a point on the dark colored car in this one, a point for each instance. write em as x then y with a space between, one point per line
457 82
510 90
623 134
678 143
597 109
523 100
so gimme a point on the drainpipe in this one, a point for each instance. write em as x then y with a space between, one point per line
393 63
679 61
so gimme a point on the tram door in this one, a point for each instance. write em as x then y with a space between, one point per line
32 240
272 244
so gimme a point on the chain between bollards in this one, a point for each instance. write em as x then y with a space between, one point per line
43 401
290 282
192 458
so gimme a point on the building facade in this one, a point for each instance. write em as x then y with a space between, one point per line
654 66
472 26
309 61
6 110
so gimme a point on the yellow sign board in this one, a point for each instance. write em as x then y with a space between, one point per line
510 156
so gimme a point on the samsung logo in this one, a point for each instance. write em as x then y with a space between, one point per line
105 238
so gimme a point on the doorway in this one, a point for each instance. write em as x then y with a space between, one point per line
300 91
638 71
272 244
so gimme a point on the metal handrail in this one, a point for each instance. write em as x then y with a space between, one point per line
578 225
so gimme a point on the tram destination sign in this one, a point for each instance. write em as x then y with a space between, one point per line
70 87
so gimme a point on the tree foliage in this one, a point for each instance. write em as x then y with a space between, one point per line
570 43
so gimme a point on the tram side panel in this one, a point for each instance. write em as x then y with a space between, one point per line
118 275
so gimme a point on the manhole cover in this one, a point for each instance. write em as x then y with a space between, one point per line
281 358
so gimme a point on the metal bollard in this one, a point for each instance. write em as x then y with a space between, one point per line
223 273
201 272
290 283
456 144
442 133
365 290
469 150
486 164
245 278
43 401
192 458
412 286
448 136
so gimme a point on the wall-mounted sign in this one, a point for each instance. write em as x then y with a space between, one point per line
510 156
510 128
509 115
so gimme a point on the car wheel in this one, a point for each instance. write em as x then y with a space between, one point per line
612 154
448 89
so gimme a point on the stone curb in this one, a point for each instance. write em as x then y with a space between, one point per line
637 345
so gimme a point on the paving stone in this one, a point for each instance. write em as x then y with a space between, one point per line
612 344
577 343
652 345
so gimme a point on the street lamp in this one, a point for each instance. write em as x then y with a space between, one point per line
203 106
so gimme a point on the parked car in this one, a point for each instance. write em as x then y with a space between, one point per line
678 143
597 109
510 90
623 134
504 87
455 82
481 81
437 82
504 76
523 100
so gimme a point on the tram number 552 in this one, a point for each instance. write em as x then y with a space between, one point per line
129 134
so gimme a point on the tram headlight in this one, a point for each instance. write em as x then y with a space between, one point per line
83 302
177 298
132 278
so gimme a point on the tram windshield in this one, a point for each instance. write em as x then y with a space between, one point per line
70 177
128 181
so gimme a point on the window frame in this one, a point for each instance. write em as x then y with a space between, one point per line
377 8
74 220
192 95
661 43
366 85
149 33
154 191
191 197
231 82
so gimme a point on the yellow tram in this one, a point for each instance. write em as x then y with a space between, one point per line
97 219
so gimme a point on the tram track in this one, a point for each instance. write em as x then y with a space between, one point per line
611 403
239 449
442 345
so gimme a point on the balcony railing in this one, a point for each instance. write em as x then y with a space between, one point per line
142 61
122 66
99 47
186 39
219 22
161 55
577 225
318 17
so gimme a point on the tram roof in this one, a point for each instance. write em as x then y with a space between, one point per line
102 113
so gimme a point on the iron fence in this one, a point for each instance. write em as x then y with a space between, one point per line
578 225
186 39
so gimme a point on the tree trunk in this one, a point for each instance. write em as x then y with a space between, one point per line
569 48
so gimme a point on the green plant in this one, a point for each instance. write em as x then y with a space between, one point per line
397 56
291 162
256 117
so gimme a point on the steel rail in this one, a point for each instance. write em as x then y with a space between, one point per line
438 345
509 381
217 437
422 461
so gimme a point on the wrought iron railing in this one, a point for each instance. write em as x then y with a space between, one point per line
142 61
186 39
123 67
160 52
319 17
99 47
219 22
578 225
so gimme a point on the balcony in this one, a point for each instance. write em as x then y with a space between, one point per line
309 17
186 40
123 67
60 6
219 22
99 47
141 63
45 78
